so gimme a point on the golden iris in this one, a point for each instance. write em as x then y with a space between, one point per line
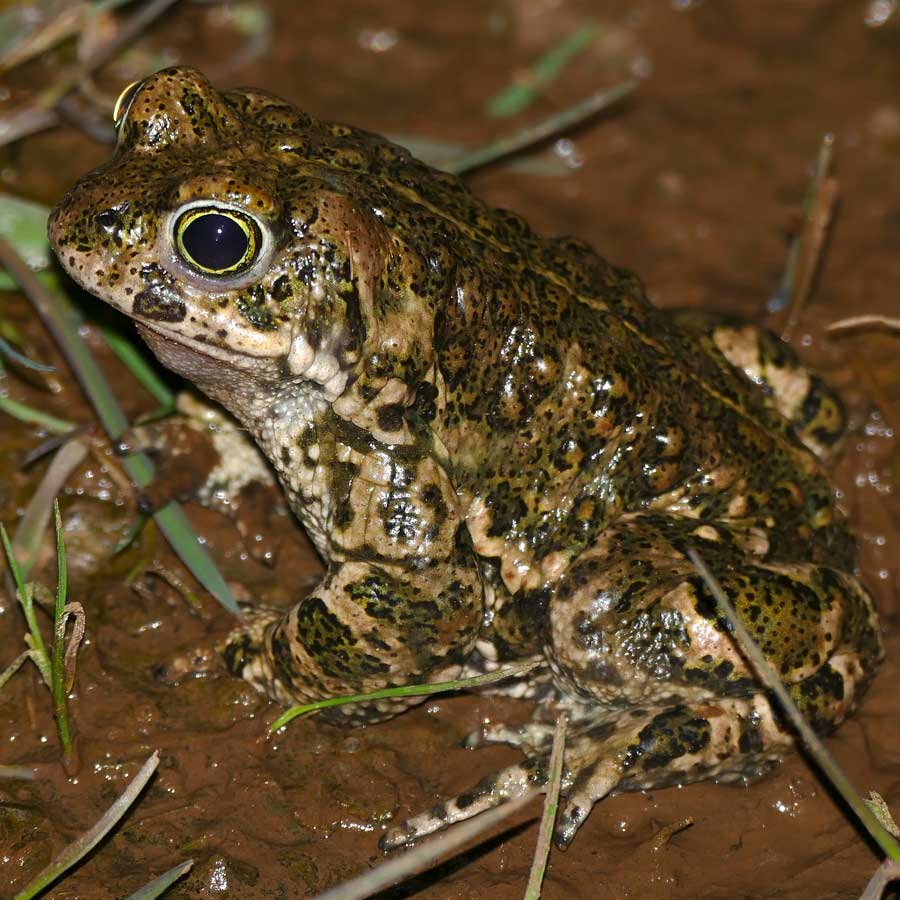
217 241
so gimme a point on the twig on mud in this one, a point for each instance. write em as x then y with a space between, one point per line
31 527
19 773
548 818
864 323
811 740
82 845
424 856
63 23
540 131
667 832
806 249
887 872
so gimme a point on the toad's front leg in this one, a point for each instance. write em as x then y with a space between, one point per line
402 600
366 626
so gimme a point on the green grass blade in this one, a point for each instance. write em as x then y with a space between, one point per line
164 882
84 844
24 225
32 416
20 359
135 362
516 97
407 690
826 762
62 320
178 531
57 659
27 604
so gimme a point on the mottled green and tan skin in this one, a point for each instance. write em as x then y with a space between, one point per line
500 448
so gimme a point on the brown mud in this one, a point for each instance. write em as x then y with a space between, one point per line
695 184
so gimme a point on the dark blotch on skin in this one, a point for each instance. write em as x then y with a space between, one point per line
390 417
159 307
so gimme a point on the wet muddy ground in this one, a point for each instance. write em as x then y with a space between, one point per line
696 184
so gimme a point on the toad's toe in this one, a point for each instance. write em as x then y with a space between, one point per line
508 784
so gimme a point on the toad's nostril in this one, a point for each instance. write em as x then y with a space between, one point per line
108 219
112 219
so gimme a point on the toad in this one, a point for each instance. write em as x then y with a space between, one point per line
500 448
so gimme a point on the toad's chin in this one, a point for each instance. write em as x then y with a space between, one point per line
215 370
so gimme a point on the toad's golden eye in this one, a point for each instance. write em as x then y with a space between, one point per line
217 241
124 101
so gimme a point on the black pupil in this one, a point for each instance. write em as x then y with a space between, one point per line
215 241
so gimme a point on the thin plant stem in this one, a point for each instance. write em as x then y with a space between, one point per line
887 872
83 845
58 672
806 250
514 98
424 856
138 367
548 818
32 416
541 130
19 773
34 638
406 690
14 667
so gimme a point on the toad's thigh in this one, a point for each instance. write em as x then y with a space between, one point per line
800 395
632 622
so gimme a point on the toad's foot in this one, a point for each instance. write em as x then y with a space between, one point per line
205 659
532 738
633 750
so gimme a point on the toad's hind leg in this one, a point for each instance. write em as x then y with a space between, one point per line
638 749
641 748
658 692
800 395
728 738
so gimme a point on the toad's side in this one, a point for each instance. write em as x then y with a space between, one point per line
499 447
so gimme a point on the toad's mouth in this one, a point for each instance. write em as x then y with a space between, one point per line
197 359
153 333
